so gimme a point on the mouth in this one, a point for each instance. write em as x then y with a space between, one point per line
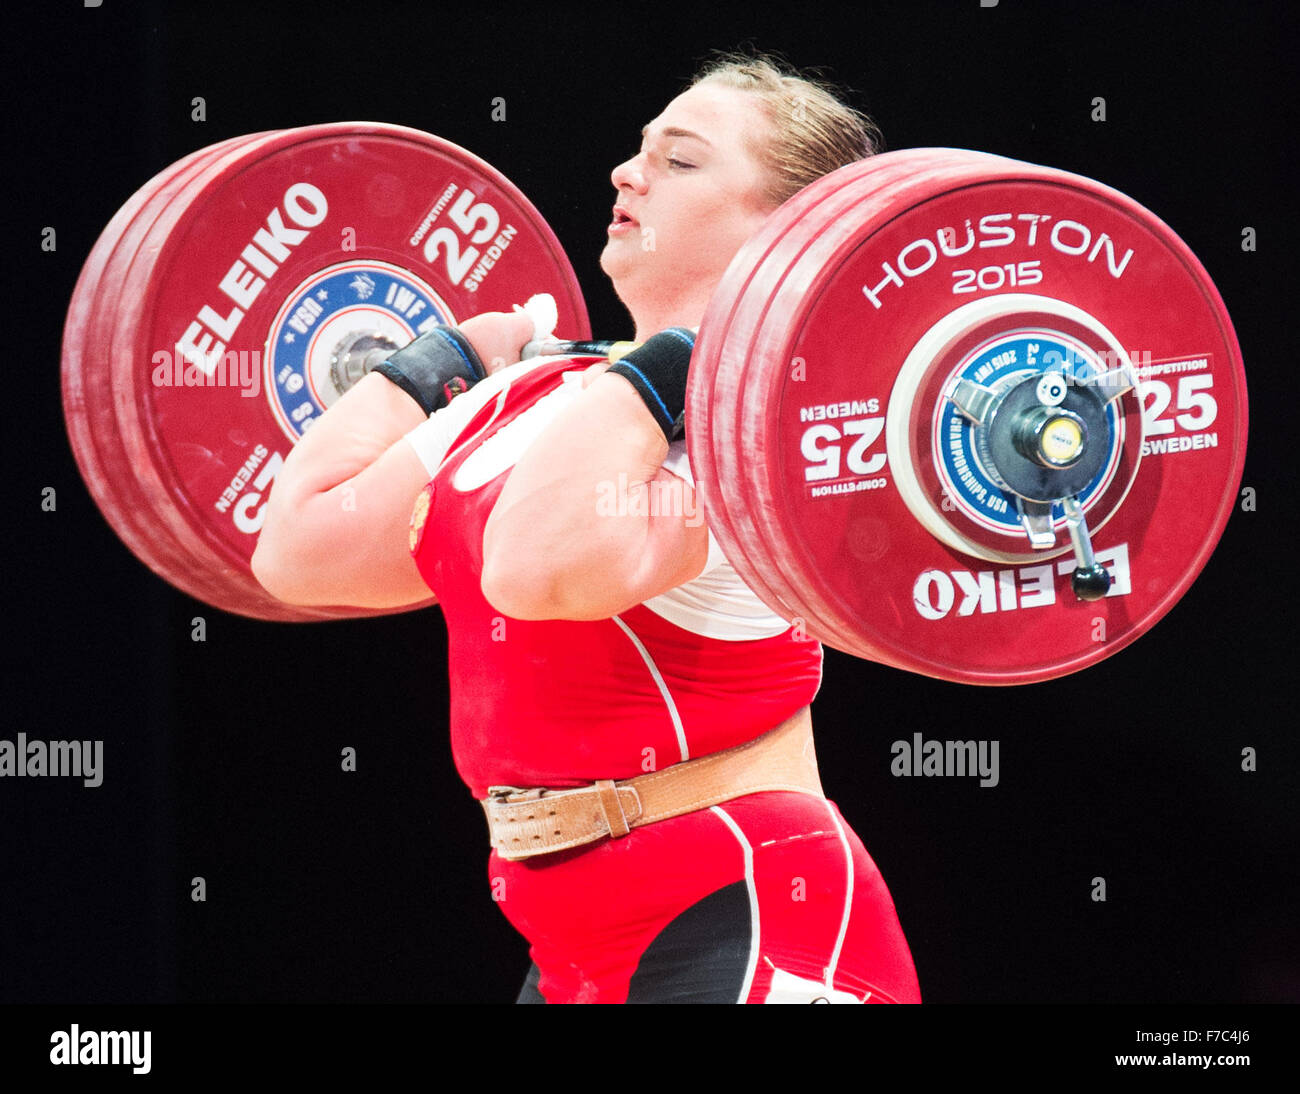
622 221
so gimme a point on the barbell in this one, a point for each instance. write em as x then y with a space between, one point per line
967 416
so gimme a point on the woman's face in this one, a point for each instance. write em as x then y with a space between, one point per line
689 198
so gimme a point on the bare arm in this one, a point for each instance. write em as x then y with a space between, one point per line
336 522
336 529
555 546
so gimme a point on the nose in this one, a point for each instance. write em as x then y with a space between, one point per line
629 174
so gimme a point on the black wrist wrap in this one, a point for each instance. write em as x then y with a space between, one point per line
435 368
657 369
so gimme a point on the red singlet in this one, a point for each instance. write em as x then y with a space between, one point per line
767 896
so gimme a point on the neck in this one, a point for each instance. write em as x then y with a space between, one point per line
686 309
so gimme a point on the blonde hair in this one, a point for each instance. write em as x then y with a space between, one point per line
812 131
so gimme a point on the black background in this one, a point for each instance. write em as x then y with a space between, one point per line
222 757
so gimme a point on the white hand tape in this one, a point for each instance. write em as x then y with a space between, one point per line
541 309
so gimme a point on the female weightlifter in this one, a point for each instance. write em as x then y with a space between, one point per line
634 719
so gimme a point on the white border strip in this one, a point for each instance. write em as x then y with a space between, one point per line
848 900
663 688
748 982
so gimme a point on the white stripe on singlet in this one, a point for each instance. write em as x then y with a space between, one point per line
663 688
748 982
848 899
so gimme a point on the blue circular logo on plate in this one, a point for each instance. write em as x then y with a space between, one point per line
964 469
328 311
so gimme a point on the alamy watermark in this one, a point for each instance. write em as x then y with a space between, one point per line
26 758
91 1046
669 497
234 368
954 758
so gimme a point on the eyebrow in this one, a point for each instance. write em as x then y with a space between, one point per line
674 132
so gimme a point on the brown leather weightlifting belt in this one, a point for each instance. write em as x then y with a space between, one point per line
525 822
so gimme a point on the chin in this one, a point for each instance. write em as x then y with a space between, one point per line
614 264
618 269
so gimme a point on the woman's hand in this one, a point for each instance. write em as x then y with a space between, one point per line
336 523
498 337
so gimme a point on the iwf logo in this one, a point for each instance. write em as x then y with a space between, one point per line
964 466
354 304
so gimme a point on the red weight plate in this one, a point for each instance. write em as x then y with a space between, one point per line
1062 239
715 391
80 378
795 228
170 547
868 540
133 512
315 234
708 405
850 541
800 586
746 552
85 380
